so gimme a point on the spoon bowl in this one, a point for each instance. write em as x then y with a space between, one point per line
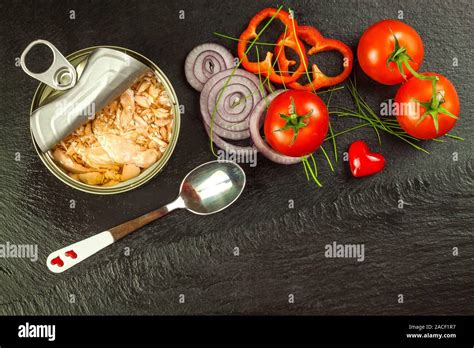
212 187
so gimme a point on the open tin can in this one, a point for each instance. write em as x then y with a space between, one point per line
46 94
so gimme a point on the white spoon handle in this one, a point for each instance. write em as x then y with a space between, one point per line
67 257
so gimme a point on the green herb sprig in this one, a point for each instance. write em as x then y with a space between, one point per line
370 118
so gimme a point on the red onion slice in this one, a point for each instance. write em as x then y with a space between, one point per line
246 151
204 61
240 94
270 88
256 121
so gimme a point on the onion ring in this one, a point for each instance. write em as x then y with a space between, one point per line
256 121
230 148
238 93
204 61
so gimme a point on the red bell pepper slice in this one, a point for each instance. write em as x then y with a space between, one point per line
265 66
318 43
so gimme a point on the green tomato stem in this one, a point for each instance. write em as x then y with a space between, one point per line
434 101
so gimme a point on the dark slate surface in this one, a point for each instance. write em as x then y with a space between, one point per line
408 251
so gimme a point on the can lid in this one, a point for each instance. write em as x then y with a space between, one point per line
106 75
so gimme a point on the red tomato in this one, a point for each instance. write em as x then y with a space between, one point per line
296 123
410 111
377 45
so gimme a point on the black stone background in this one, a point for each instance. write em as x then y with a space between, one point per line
408 251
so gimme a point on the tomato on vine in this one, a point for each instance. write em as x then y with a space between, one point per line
386 48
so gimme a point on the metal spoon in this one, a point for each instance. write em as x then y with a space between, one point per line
207 189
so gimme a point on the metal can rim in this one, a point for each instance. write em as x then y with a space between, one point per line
146 175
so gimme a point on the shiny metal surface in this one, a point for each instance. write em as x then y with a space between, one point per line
107 74
61 75
212 187
45 95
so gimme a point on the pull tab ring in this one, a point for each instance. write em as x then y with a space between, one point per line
61 75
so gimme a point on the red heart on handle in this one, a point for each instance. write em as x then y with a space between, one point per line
57 261
362 161
71 253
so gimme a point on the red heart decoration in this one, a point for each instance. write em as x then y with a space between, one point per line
57 261
71 253
362 161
